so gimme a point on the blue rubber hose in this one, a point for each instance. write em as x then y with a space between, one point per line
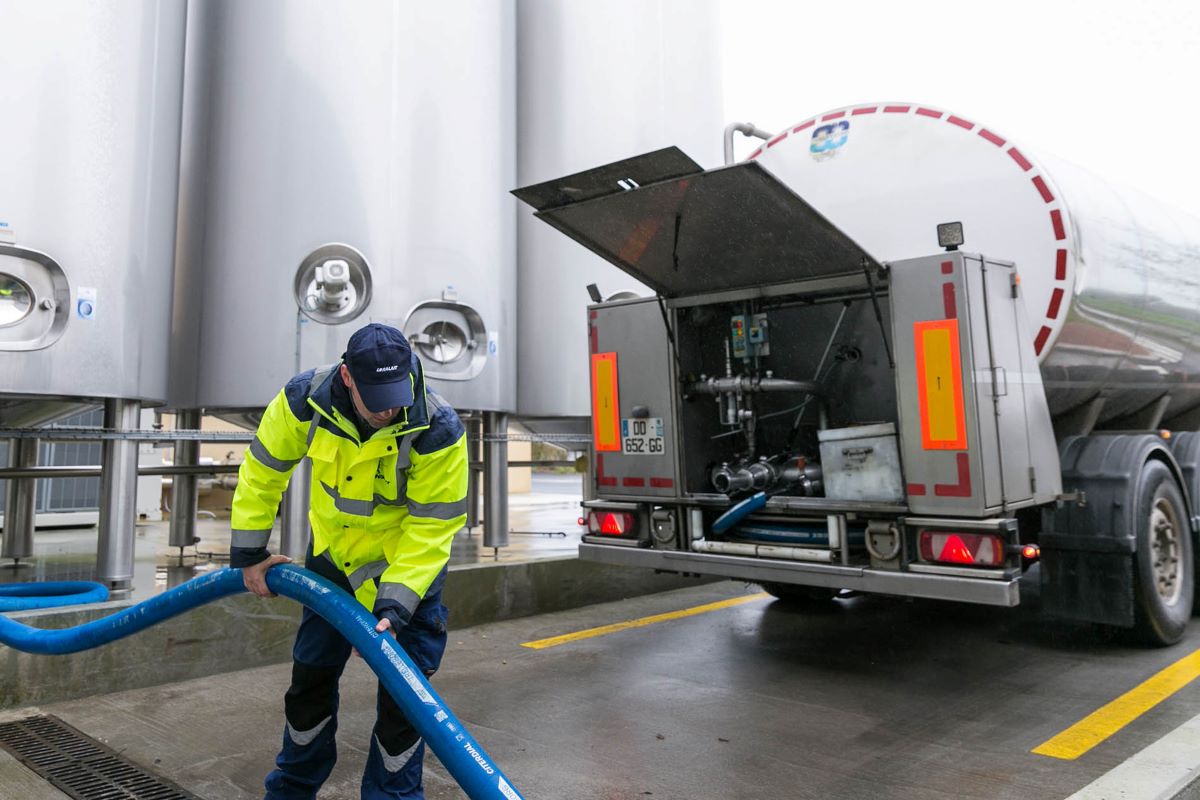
462 756
51 594
739 512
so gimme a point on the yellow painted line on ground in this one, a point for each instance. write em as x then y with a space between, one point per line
1107 720
554 641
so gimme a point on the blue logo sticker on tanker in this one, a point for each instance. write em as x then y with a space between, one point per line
828 138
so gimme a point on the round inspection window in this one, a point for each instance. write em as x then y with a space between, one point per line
442 342
333 284
16 300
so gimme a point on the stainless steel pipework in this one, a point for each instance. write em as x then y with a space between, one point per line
767 473
745 128
748 384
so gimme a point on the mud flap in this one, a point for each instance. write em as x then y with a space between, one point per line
1087 585
1088 544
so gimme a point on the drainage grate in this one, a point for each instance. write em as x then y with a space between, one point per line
79 765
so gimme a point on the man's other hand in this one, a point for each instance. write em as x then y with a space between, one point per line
255 575
384 625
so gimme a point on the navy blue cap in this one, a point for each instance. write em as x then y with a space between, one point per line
378 357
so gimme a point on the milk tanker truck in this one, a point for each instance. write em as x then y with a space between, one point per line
894 352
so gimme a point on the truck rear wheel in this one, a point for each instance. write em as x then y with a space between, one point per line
1163 573
800 595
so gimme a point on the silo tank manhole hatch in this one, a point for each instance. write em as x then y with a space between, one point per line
450 337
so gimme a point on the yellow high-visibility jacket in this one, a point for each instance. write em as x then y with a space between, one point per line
383 509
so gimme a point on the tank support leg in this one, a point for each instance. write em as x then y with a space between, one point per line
474 456
495 480
185 488
293 523
118 496
19 501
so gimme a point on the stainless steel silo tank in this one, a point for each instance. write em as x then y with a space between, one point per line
91 93
345 165
598 82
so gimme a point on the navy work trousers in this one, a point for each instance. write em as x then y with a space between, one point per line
396 751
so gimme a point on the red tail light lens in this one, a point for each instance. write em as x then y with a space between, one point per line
971 549
612 523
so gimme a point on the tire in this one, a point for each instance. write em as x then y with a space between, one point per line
801 595
1185 446
1163 573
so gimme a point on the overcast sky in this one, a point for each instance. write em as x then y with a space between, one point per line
1111 86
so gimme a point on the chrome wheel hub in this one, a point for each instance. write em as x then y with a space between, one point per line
1164 551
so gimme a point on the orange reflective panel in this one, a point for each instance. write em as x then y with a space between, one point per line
606 414
939 385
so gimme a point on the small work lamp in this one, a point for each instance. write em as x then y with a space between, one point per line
950 235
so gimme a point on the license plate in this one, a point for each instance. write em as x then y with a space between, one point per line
642 437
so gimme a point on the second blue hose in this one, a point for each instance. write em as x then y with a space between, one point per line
50 594
739 512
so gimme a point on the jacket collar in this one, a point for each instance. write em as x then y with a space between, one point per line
411 419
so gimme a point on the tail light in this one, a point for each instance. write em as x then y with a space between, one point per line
611 523
970 549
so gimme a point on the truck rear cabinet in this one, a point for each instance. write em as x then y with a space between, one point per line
633 401
762 417
975 429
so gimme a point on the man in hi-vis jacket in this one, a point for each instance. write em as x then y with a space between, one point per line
389 491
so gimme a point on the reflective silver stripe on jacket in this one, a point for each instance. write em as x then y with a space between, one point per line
364 508
403 595
319 376
317 379
359 508
260 452
438 510
367 572
250 539
348 505
403 462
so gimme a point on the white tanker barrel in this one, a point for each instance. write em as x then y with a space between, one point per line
1110 277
